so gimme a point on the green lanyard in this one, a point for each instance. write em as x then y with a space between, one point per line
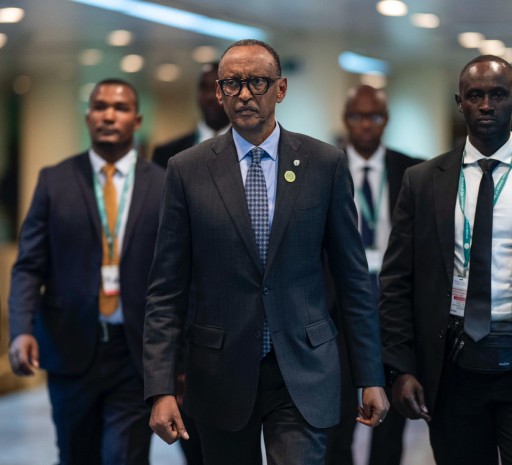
98 190
466 236
371 221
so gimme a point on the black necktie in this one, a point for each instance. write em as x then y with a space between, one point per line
367 229
477 314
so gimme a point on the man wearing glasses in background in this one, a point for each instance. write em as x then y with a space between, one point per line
245 218
377 172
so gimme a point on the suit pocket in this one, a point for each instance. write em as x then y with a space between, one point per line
309 214
321 332
206 336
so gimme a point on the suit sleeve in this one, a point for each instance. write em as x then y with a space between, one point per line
167 296
349 270
30 270
397 286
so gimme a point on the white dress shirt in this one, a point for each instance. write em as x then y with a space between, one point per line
123 167
376 175
501 268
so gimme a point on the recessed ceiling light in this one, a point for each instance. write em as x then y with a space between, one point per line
492 47
90 57
426 20
3 39
470 39
119 38
11 15
132 63
392 8
168 72
205 54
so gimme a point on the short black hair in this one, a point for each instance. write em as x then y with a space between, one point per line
484 59
117 82
251 42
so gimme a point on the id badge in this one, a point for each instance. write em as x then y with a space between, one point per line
374 259
110 279
459 293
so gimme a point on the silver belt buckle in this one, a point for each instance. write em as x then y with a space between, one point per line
104 331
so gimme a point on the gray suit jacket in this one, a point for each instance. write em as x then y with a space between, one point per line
206 237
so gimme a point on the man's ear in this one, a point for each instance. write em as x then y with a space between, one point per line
282 87
218 94
458 101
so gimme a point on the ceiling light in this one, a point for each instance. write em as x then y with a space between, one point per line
470 39
392 8
119 38
355 63
90 57
11 15
132 63
492 47
426 20
181 19
168 72
205 54
3 39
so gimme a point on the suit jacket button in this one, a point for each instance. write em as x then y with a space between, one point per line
258 334
266 290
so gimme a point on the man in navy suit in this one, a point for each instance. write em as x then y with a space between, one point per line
78 286
379 170
245 219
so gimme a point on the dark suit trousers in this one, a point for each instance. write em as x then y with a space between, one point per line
472 417
288 438
101 417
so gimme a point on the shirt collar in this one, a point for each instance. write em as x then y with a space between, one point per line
357 162
270 144
123 165
503 154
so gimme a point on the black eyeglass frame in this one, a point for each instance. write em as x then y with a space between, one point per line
269 80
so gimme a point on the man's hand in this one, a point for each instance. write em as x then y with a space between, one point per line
375 406
408 397
24 355
166 420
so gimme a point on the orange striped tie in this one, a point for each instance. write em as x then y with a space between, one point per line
108 303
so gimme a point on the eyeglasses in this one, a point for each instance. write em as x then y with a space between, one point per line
358 118
257 85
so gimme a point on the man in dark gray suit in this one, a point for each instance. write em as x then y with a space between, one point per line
245 220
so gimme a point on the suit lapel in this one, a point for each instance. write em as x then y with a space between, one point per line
286 191
225 171
394 177
84 174
446 182
140 188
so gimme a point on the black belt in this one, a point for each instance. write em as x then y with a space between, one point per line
108 331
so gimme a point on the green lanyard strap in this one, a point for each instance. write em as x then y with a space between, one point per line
466 235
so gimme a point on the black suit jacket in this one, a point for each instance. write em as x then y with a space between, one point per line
56 278
163 152
206 238
417 273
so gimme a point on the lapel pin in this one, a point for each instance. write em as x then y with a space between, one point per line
296 162
289 176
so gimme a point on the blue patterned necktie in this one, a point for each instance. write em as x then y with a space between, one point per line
257 201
